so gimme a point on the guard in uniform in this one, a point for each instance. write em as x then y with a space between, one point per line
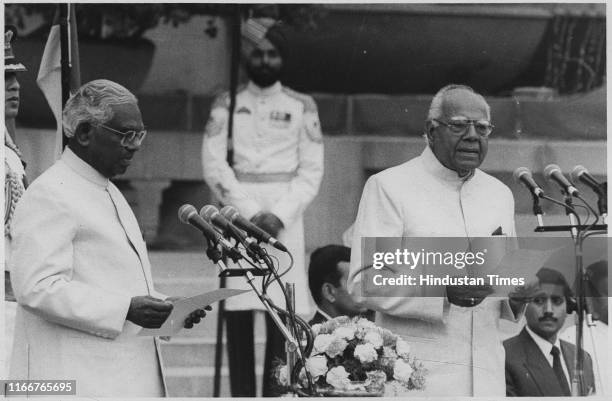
276 172
14 178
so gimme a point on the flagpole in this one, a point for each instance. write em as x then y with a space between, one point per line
234 70
65 56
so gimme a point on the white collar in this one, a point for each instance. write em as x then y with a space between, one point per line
544 345
433 165
82 168
277 87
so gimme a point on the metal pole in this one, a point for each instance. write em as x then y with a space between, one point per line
234 66
64 12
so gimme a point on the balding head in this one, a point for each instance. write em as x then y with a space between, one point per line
458 149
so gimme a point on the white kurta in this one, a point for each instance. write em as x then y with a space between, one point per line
422 198
278 166
76 266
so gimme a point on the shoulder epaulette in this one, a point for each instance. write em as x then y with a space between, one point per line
307 100
223 99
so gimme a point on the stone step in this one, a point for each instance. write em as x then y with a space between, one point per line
200 352
199 381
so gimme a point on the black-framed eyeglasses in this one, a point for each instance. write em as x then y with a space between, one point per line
459 125
128 138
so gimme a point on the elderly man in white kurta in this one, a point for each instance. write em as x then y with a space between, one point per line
277 169
442 193
81 273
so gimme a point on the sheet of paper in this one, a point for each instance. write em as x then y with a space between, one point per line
184 307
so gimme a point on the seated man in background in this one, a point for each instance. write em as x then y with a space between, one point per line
595 333
327 277
538 364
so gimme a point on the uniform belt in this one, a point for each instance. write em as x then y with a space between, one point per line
265 177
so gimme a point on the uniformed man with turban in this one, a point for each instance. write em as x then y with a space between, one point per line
276 172
14 178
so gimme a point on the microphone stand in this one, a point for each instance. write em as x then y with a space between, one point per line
579 234
292 348
571 213
602 201
537 209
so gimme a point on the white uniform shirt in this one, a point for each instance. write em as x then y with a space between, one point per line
422 198
276 133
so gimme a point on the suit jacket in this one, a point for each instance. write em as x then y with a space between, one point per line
528 373
76 266
317 319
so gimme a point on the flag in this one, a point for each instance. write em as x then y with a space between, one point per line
50 74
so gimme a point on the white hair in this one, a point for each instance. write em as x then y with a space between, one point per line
91 104
435 108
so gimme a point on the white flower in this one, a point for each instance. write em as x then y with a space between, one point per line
336 347
364 323
315 328
321 342
283 375
317 365
365 353
346 332
388 352
403 349
374 338
402 371
338 377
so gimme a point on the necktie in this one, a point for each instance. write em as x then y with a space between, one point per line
559 370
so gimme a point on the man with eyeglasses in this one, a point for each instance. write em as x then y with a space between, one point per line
442 193
81 275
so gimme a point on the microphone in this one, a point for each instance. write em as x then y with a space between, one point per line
231 214
188 214
553 172
523 174
580 173
211 214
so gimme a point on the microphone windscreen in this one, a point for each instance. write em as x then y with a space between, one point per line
519 172
229 212
551 168
185 211
208 211
577 172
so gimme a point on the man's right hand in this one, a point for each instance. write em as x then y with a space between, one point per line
148 312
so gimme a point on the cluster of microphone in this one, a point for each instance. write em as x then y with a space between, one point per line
553 172
217 225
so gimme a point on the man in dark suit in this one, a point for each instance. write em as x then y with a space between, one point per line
327 275
537 362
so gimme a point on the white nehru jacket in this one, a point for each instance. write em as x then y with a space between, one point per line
422 198
76 266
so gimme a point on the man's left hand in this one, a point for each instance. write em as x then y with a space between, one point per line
268 222
195 316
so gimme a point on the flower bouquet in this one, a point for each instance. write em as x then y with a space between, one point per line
354 357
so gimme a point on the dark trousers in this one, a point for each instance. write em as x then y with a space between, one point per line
241 353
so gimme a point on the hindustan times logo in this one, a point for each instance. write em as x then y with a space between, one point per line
412 259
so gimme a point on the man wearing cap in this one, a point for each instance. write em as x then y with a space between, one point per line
275 173
14 178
